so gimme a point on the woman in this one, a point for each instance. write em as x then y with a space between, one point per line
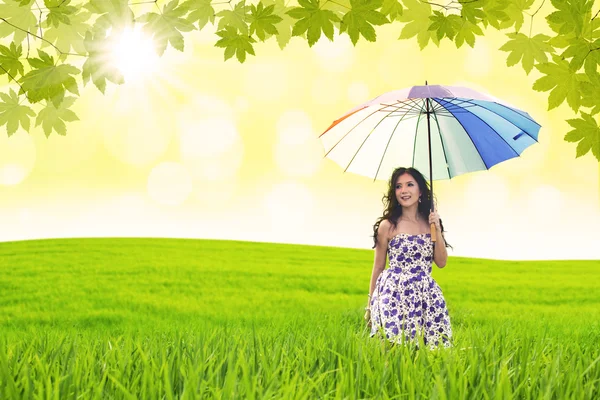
405 303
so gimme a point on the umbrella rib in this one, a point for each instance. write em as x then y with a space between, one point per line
404 106
364 141
416 131
387 145
488 125
441 139
347 133
504 118
470 138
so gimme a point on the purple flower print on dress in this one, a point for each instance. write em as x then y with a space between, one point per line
412 298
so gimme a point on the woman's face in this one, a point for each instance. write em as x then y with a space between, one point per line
407 190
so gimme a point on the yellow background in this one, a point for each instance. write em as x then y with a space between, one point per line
202 148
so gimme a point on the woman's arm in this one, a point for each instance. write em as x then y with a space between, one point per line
380 253
440 255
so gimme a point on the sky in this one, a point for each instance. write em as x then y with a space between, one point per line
196 147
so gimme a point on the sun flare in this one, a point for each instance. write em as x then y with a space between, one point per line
134 55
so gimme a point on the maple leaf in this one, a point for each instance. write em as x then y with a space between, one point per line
467 33
587 132
493 11
98 66
361 18
47 81
591 92
444 25
235 43
570 16
167 26
526 49
262 20
115 15
472 11
583 52
59 12
12 113
514 11
67 36
17 15
53 118
562 82
9 60
284 28
236 18
416 15
313 20
392 9
201 11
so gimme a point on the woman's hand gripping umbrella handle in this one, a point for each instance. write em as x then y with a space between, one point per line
432 227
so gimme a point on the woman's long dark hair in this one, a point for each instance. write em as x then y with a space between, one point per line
393 210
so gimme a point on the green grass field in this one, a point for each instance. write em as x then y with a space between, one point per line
169 319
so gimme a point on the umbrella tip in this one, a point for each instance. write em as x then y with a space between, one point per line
425 83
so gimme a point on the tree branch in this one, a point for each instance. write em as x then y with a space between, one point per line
41 38
12 78
446 7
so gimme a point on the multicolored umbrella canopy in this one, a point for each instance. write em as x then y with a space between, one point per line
443 131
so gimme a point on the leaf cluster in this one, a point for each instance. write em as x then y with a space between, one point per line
41 48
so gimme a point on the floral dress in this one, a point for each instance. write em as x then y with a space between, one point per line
407 302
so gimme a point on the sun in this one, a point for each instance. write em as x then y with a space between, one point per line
134 55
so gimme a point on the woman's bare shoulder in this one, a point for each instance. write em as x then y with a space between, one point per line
384 228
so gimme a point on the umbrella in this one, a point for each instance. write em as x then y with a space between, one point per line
446 130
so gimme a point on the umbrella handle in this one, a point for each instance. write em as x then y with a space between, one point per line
433 235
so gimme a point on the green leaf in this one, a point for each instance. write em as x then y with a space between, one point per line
562 82
167 27
13 114
526 49
314 20
467 33
571 16
392 9
444 25
472 11
53 118
59 12
590 91
235 43
262 21
47 81
587 132
494 13
361 18
416 16
98 66
114 14
236 18
201 11
9 60
514 11
17 15
284 28
583 52
69 36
